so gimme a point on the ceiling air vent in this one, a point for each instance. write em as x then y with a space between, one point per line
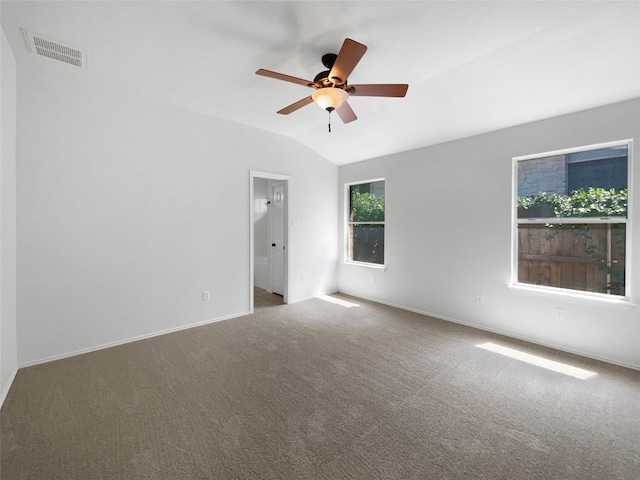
55 49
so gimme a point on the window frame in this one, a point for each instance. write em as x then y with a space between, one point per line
346 223
515 222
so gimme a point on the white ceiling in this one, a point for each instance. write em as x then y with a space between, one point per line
471 67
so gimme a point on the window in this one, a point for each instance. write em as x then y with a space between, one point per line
571 229
606 167
365 222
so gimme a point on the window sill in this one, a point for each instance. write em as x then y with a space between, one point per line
374 266
572 296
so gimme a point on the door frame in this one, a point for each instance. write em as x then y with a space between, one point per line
286 179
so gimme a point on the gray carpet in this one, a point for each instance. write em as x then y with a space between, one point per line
316 390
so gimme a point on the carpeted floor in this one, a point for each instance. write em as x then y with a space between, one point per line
321 390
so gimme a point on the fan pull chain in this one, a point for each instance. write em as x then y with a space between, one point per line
329 121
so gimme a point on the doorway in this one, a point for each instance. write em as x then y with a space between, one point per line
269 237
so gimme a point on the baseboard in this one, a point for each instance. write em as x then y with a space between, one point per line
501 332
309 297
7 387
301 299
129 340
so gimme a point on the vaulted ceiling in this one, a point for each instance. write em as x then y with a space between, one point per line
471 67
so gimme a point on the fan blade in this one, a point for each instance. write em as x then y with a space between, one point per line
295 106
286 78
378 90
345 113
350 54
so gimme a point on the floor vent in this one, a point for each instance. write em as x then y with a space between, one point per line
55 49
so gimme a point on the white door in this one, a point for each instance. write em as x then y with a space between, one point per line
277 238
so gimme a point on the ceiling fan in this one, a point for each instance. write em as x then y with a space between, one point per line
331 88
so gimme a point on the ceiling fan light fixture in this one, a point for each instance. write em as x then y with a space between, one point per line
329 98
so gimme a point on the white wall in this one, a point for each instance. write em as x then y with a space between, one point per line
261 269
8 343
448 236
129 209
260 225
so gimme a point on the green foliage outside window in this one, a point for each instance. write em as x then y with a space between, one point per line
366 207
592 202
367 237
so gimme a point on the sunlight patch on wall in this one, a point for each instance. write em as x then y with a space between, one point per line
538 361
337 301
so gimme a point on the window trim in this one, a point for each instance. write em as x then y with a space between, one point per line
347 211
559 292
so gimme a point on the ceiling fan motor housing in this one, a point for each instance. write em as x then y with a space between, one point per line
323 79
328 59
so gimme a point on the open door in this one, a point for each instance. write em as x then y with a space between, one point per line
278 240
279 209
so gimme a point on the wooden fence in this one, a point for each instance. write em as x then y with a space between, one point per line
588 257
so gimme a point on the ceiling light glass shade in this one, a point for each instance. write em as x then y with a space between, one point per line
329 97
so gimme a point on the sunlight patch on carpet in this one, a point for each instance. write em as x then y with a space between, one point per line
539 361
337 301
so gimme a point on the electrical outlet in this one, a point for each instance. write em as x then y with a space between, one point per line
559 313
479 299
206 295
